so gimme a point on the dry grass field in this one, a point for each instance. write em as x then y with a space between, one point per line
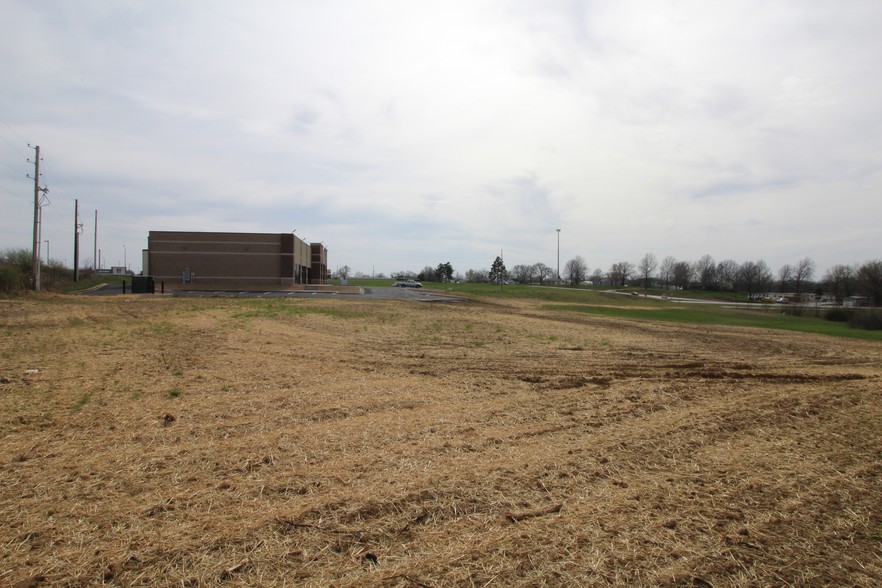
156 441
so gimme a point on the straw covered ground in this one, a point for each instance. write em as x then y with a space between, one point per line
205 442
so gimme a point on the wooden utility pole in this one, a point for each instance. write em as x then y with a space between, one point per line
76 240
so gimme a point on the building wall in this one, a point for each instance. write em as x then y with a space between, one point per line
319 263
263 260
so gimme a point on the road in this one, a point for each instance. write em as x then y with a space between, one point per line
372 293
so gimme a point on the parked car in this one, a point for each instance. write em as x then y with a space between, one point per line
408 284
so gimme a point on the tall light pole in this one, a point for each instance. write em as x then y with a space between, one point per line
558 256
77 228
47 251
95 245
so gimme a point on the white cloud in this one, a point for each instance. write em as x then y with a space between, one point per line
406 134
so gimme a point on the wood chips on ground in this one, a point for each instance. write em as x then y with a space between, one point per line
154 441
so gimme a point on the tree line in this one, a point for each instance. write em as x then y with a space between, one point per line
749 277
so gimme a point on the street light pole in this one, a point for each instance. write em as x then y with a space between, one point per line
558 256
47 251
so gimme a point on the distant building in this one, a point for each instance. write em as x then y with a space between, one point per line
234 261
855 301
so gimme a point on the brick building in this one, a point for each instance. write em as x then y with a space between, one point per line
234 261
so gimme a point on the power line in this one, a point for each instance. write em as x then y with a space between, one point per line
14 194
13 146
13 130
8 126
9 167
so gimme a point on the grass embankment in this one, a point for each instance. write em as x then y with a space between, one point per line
69 287
604 303
762 317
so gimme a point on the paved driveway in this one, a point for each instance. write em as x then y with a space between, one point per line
381 293
420 294
376 293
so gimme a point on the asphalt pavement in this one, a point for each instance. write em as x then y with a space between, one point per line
371 293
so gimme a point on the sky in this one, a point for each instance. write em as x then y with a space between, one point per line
403 134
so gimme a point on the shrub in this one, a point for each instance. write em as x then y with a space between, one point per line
15 269
11 279
840 315
19 257
53 274
870 320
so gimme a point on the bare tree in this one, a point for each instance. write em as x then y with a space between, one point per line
803 273
706 272
785 275
727 274
869 281
764 273
754 277
477 276
647 267
627 271
840 280
576 270
666 271
683 271
620 272
542 272
523 274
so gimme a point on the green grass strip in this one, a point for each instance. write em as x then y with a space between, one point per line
767 318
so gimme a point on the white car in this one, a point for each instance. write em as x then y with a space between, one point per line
408 284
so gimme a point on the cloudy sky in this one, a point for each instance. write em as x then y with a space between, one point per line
403 134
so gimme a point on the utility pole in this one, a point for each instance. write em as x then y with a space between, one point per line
558 257
95 265
76 240
35 269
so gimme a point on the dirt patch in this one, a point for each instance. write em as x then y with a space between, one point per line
192 442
